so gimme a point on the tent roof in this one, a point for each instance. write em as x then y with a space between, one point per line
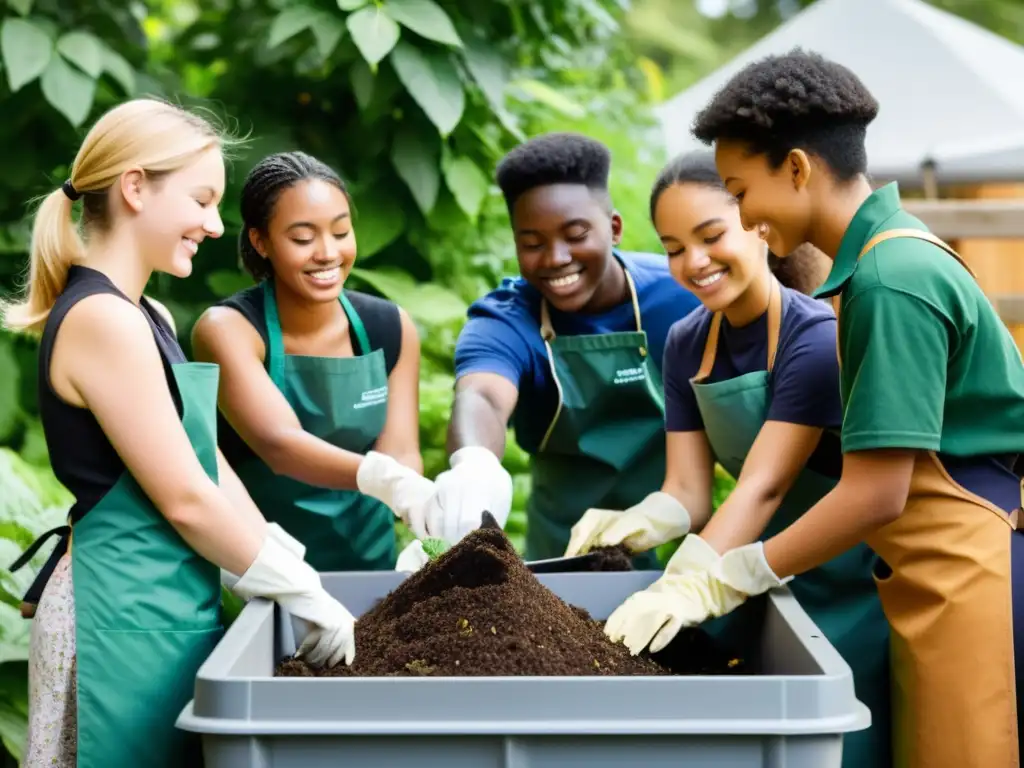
950 92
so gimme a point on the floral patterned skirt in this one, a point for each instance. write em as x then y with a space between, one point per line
52 694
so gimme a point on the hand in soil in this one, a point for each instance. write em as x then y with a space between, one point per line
478 611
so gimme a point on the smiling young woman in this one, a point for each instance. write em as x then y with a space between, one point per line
752 382
319 391
568 352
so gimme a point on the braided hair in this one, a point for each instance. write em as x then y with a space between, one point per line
263 187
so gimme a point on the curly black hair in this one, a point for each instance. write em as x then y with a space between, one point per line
803 270
796 100
263 186
554 158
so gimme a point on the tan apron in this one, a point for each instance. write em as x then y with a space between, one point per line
948 601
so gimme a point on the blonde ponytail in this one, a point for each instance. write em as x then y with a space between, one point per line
153 135
55 245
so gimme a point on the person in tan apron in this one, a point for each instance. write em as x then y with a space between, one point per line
933 394
751 383
132 606
320 403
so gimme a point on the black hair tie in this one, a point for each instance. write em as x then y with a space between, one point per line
69 190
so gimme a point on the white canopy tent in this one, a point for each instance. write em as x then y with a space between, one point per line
951 93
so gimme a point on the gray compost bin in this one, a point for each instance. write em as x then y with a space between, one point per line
791 713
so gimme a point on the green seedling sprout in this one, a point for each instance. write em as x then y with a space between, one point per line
435 547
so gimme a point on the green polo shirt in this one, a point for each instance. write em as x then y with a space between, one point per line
926 361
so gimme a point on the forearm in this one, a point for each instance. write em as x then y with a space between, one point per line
742 518
301 456
698 504
476 421
209 523
238 496
839 521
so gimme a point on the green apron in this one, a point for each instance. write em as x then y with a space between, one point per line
343 401
605 446
147 610
839 596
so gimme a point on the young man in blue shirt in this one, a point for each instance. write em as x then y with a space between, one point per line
569 352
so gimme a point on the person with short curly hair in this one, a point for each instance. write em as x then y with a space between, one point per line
569 353
933 400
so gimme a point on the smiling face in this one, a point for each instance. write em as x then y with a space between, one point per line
710 253
564 238
176 212
309 240
777 198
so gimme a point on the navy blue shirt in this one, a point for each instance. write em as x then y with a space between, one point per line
502 335
804 384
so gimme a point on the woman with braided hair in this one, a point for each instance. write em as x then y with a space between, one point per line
319 392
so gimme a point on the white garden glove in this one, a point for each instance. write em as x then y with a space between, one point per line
657 519
279 575
412 558
283 538
698 586
401 488
476 483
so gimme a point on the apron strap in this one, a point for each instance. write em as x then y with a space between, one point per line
275 339
707 362
28 554
547 331
357 324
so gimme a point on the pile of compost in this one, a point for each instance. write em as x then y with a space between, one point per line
478 611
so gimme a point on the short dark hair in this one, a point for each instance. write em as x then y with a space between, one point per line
263 186
554 158
796 271
796 100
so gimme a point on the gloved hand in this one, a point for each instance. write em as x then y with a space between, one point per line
475 483
412 558
404 490
278 575
699 586
283 538
657 519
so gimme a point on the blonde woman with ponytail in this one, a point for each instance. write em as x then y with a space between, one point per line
132 607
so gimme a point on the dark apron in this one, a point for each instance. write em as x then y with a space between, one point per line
839 596
605 446
147 610
343 401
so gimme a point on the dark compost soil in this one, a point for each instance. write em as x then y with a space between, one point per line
478 611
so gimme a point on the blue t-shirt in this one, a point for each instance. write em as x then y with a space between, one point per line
804 384
502 335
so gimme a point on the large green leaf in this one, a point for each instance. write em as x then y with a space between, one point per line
10 389
415 158
290 22
426 302
426 18
351 5
374 32
548 96
22 7
115 65
328 32
432 80
14 705
379 220
362 80
68 90
26 49
488 69
467 184
83 50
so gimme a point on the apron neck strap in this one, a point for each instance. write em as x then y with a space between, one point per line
547 331
275 339
918 234
707 362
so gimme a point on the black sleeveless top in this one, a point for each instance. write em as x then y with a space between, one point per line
82 456
383 329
